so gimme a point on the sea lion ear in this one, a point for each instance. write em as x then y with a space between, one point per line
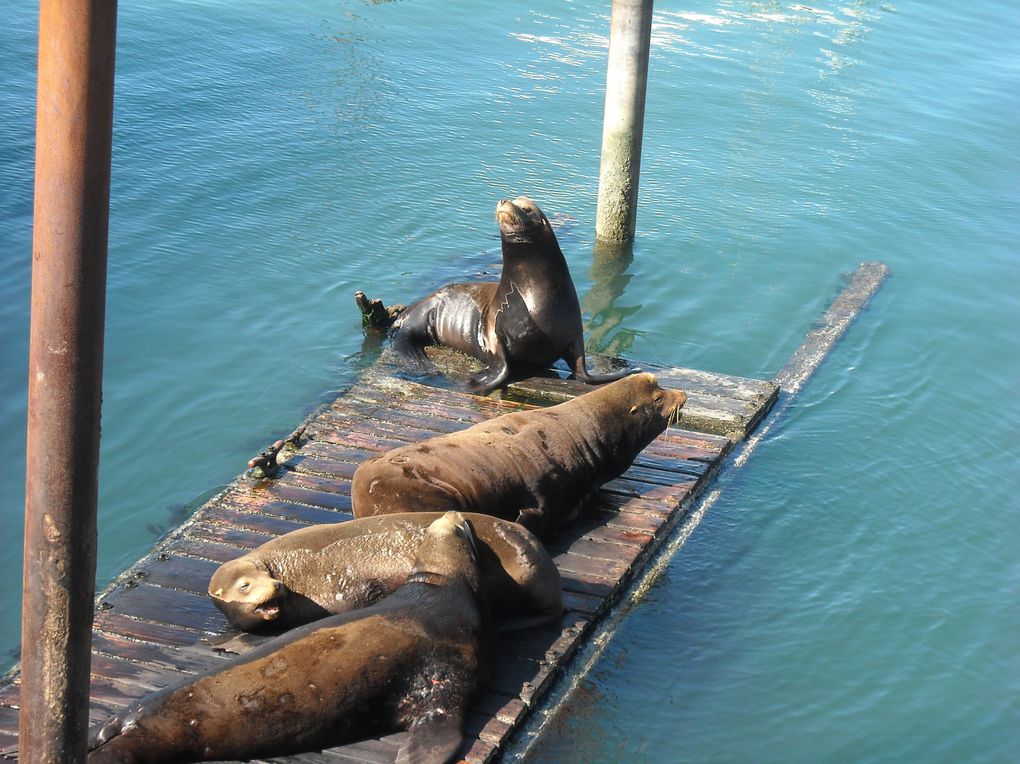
633 409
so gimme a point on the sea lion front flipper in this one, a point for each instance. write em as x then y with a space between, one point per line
432 739
238 644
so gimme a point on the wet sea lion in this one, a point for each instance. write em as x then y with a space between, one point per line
536 467
529 319
328 569
411 661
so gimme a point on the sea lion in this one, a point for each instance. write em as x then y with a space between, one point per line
527 320
328 569
411 661
536 467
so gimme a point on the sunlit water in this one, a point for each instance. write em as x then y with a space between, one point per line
853 596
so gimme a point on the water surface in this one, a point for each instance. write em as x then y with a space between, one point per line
853 595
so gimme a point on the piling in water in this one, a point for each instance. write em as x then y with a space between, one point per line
623 123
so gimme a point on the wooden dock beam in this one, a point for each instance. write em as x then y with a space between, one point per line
623 123
72 195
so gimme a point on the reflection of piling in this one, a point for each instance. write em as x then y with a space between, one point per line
604 332
72 193
626 77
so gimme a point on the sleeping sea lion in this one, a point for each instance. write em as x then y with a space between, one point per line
536 467
529 319
328 569
411 661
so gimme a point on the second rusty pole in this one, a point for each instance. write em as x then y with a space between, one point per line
74 123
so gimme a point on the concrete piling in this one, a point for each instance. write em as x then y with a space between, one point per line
623 123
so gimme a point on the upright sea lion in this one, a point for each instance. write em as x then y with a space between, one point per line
412 661
529 319
536 467
328 569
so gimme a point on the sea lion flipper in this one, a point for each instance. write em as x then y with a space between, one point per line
432 739
411 347
576 360
494 375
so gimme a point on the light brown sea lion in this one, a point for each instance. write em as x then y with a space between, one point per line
328 569
536 467
527 320
412 661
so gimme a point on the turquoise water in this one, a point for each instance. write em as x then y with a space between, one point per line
853 596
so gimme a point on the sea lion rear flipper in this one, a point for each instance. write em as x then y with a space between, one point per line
432 739
575 359
411 347
492 376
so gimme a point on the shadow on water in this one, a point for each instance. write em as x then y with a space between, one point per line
603 331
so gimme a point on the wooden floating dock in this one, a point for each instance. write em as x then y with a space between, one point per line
153 625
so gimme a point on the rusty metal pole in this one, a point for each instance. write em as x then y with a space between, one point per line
74 120
623 122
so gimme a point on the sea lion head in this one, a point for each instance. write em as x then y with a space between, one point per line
520 220
246 593
650 405
448 551
654 402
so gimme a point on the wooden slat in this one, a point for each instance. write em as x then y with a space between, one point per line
162 605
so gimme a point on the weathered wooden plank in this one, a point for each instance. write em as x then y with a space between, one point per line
756 391
167 635
509 708
591 528
157 603
490 729
665 496
480 751
430 401
600 550
387 426
8 731
338 500
709 412
9 704
306 462
315 483
587 605
219 533
108 696
624 513
130 674
203 550
259 502
190 659
379 751
258 522
176 572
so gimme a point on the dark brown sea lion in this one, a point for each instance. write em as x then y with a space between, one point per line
328 569
536 467
412 661
527 320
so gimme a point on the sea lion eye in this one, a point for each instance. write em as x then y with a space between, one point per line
245 586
